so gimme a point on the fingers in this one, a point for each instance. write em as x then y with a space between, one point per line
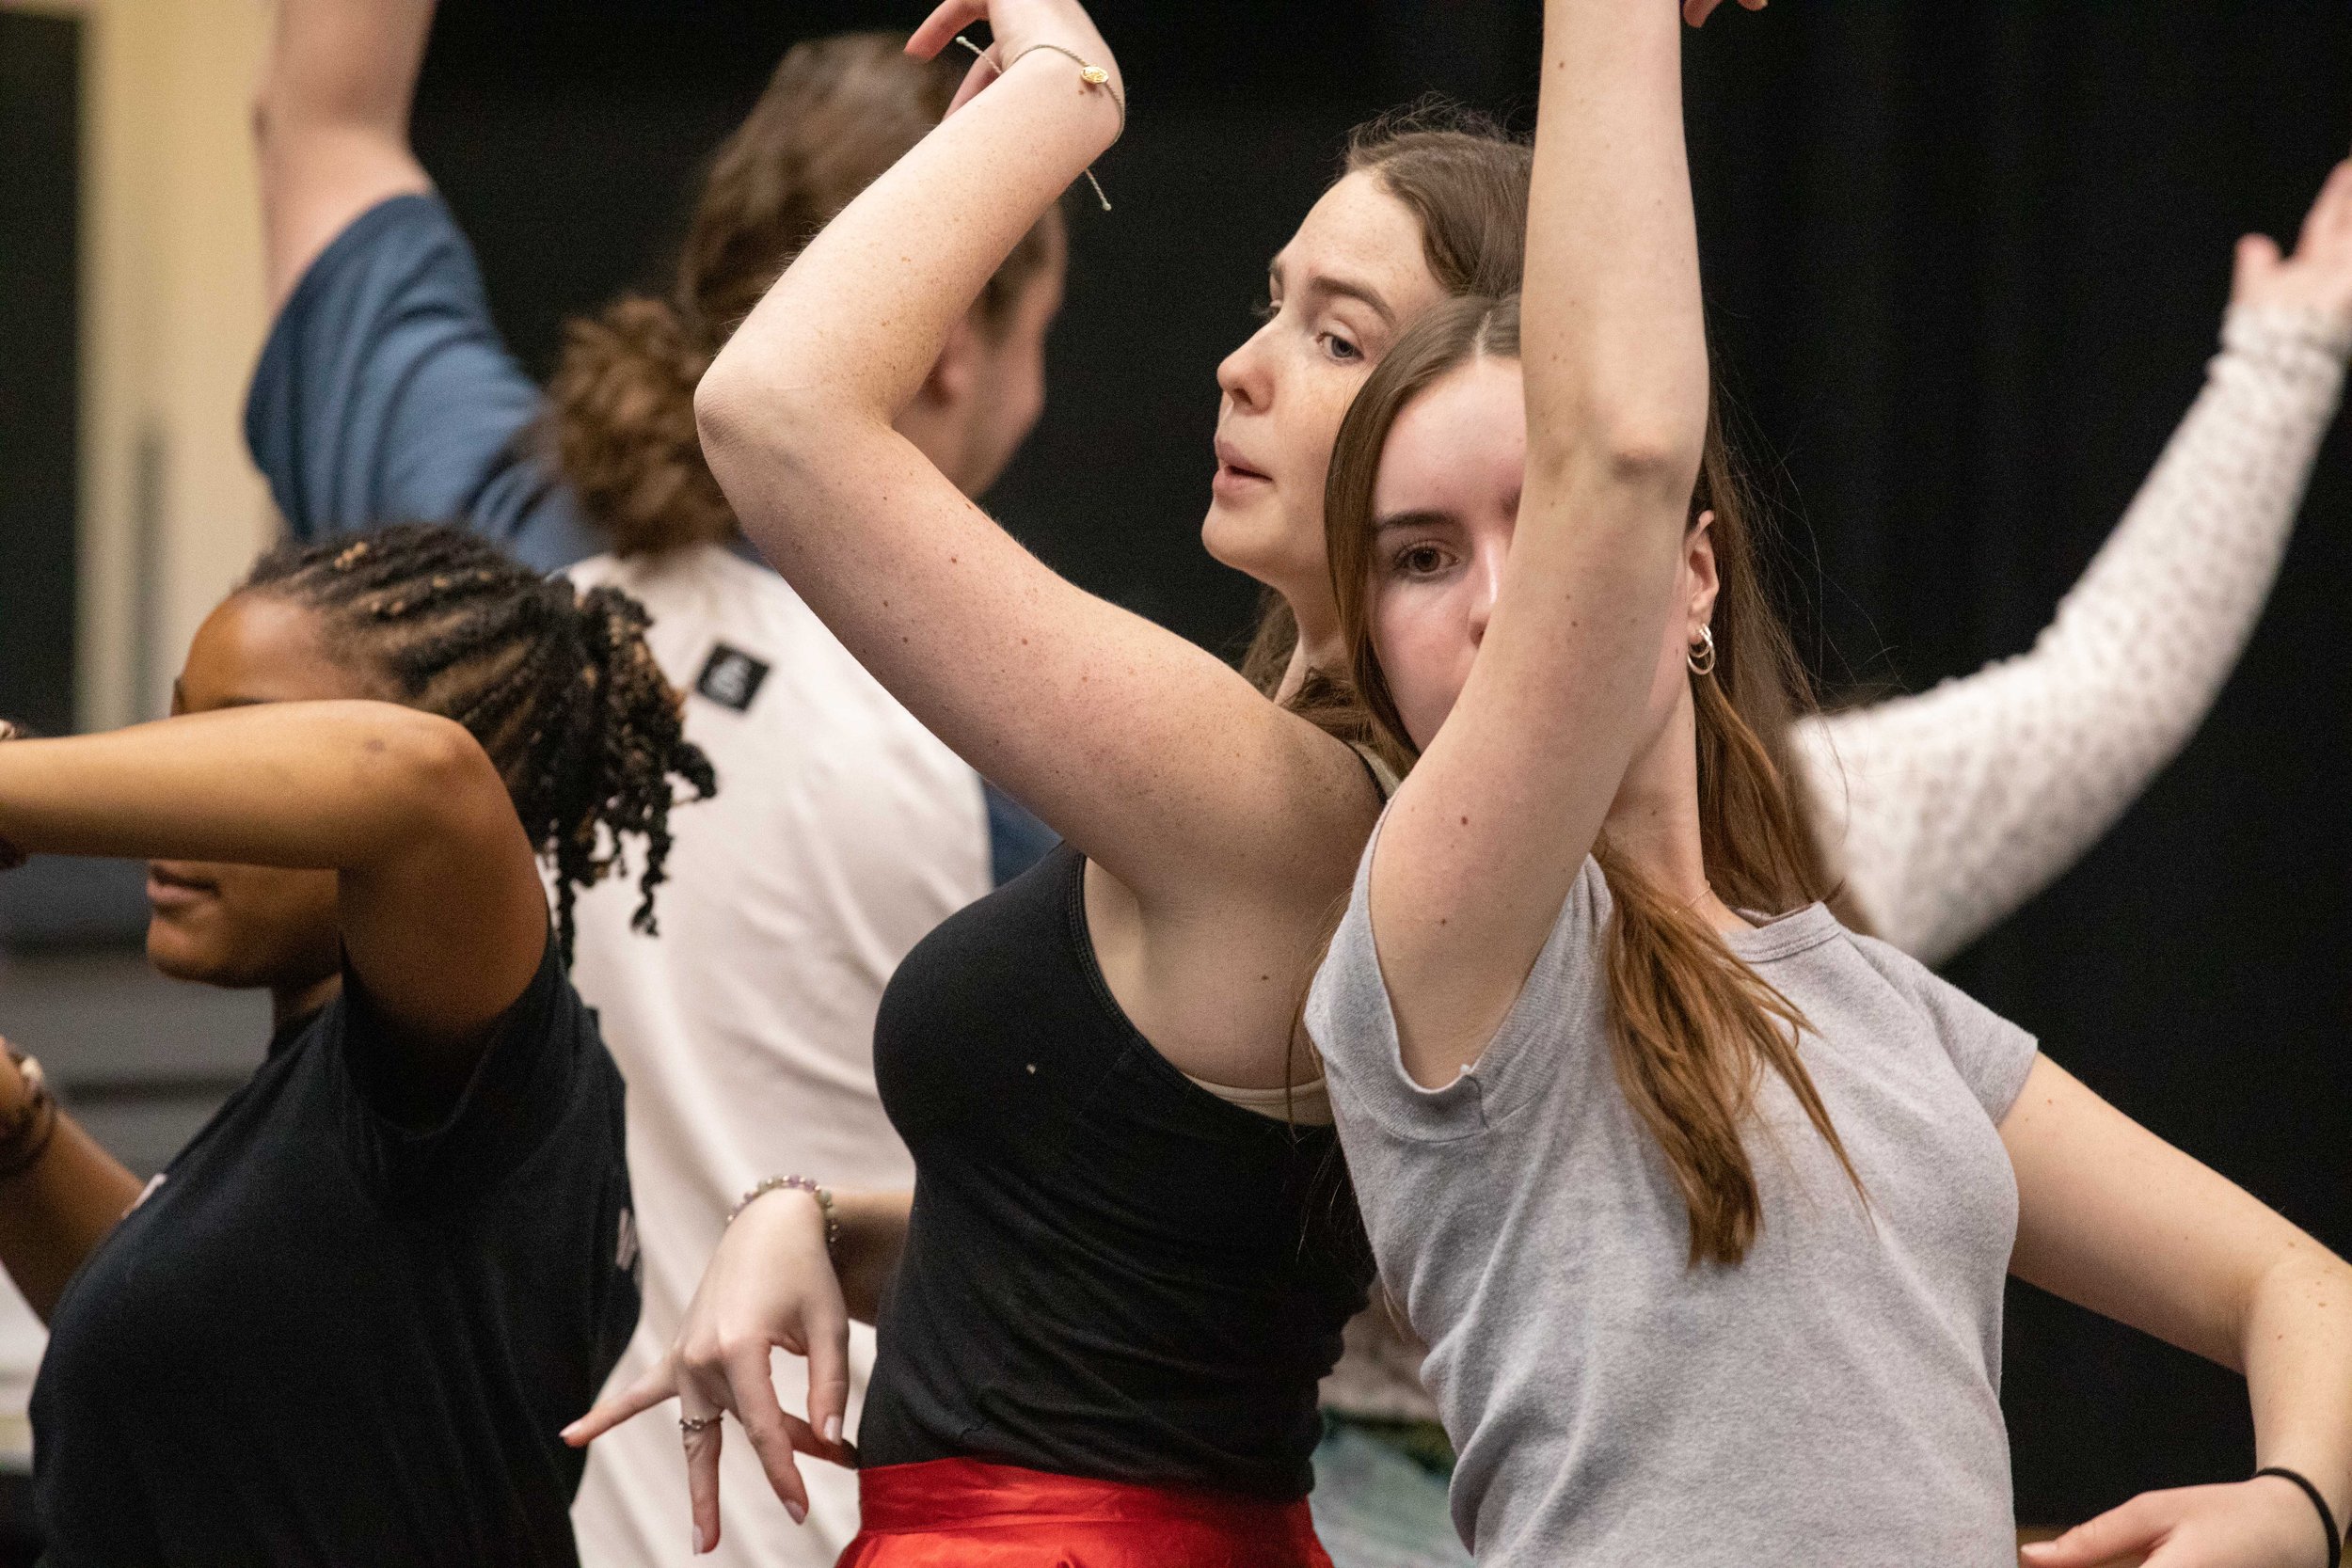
2329 221
703 1443
2257 258
2120 1532
764 1422
829 1377
1695 12
609 1412
942 24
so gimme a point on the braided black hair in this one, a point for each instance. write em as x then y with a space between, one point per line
557 685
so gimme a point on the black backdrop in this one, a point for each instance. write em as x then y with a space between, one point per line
1965 263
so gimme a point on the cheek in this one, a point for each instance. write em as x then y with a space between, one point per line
1424 654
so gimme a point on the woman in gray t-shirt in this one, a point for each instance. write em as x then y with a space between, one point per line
1703 1202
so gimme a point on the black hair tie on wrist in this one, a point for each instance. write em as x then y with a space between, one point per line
2326 1519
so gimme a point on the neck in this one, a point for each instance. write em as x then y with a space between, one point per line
1318 648
1654 821
291 1004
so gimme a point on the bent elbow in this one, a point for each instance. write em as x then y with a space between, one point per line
438 771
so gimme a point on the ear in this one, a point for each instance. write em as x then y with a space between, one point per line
1698 565
957 370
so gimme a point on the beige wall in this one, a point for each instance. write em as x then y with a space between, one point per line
173 313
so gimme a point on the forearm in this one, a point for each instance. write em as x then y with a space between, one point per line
873 1234
331 123
2297 1352
1614 350
54 1214
1950 809
315 786
858 320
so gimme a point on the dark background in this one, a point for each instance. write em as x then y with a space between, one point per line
1965 263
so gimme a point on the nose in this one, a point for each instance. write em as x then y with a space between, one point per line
1247 377
1485 583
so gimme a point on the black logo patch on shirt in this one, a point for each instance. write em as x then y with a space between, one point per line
731 677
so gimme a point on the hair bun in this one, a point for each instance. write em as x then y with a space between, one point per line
621 413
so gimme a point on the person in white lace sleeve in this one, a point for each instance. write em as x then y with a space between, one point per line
1948 810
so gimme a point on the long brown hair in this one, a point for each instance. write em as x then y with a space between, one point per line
1466 180
619 423
1692 1026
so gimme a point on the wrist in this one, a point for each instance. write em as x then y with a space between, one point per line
819 1199
2325 1516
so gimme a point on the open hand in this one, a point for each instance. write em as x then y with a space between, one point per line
2318 277
2262 1523
769 1286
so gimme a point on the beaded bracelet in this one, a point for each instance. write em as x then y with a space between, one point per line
26 1137
800 1184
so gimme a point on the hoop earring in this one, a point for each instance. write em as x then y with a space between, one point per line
1700 656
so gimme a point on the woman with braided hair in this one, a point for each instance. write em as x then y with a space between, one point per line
345 1322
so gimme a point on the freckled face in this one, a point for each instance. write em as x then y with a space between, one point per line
1350 280
250 926
1445 505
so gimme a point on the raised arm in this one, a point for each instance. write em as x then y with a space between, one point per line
444 916
331 123
1484 839
1154 758
2114 1219
1948 810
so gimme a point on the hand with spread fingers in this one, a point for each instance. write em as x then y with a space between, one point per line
2265 1523
771 1286
2318 275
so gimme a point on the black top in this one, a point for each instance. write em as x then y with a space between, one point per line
1109 1271
326 1338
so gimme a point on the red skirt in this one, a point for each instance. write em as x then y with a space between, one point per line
961 1514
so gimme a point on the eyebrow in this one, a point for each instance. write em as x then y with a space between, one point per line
1427 517
1342 287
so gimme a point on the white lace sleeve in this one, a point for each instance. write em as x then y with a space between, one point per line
1948 810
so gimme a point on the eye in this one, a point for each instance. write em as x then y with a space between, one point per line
1266 309
1340 348
1420 561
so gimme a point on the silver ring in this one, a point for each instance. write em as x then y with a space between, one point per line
693 1424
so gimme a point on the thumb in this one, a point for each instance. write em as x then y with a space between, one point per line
2120 1532
2257 260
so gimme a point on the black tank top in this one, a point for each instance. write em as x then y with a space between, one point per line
1110 1272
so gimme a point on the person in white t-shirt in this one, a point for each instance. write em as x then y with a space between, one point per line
845 831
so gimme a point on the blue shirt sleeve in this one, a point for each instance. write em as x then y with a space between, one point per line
1017 839
385 395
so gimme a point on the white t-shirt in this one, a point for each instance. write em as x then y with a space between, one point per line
842 832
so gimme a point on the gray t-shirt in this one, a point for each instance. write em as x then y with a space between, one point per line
1832 1399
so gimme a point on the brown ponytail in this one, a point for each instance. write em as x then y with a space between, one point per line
620 420
1692 1026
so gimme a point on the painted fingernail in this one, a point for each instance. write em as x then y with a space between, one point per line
798 1511
832 1428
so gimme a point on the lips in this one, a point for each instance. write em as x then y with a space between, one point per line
1233 471
171 887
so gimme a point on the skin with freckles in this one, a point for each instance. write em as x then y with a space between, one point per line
1338 295
253 927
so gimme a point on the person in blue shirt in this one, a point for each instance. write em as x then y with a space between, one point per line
845 830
